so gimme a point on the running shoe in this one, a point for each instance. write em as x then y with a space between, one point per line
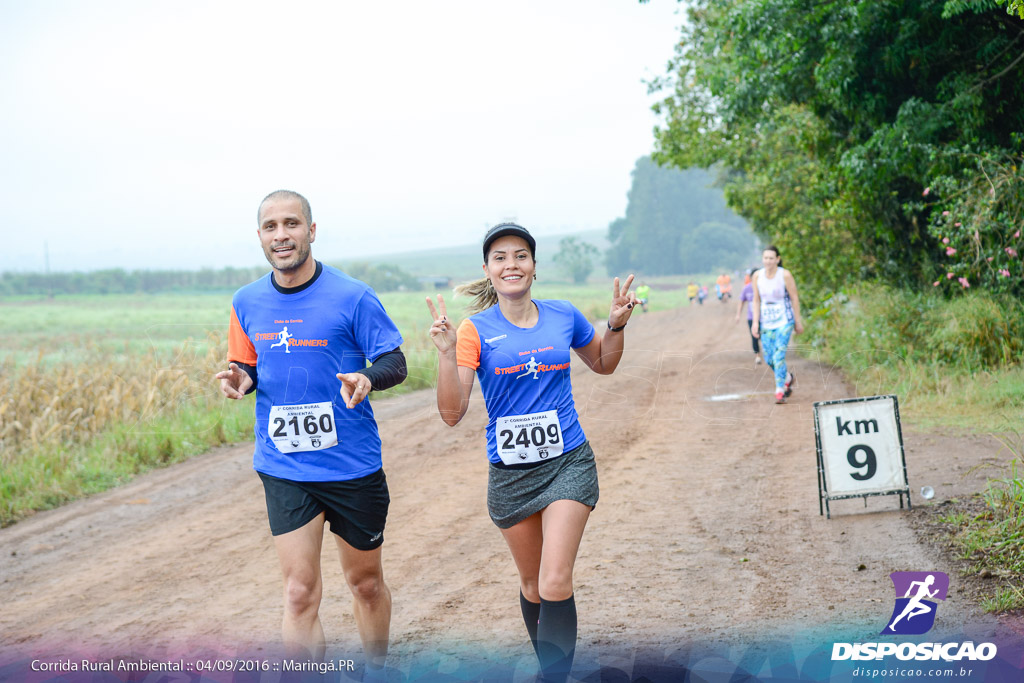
757 360
780 397
789 384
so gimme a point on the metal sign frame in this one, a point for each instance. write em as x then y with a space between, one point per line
823 494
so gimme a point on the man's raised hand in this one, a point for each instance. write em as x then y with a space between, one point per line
234 381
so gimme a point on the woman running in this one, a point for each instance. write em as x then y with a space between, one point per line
542 483
776 316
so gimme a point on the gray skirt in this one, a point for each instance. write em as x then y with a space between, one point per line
515 494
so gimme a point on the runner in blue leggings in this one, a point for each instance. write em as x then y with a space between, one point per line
776 317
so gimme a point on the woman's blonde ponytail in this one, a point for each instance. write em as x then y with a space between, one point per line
482 293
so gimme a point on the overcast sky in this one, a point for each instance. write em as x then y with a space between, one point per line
143 134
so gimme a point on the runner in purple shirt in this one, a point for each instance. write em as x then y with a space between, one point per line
747 297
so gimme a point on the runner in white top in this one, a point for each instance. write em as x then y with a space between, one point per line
776 315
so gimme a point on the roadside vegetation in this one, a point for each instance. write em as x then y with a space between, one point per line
954 364
988 530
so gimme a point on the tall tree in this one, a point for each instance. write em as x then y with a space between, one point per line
665 207
859 134
576 257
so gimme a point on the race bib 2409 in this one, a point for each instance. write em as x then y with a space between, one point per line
528 438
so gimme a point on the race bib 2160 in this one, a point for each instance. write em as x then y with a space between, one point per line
302 427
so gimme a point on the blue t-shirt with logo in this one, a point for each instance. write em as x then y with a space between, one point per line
298 342
525 371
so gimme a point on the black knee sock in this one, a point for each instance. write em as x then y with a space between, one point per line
556 638
531 615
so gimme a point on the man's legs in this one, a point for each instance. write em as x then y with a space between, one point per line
298 552
372 599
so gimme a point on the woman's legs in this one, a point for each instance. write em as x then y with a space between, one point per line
525 540
544 548
753 339
774 343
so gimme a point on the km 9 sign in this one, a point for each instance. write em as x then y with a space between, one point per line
860 447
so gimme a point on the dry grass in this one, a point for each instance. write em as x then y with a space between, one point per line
70 429
46 405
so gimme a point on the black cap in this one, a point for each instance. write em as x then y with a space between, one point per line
503 229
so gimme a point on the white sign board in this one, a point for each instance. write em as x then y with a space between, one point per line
860 447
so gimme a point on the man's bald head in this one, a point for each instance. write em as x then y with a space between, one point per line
307 213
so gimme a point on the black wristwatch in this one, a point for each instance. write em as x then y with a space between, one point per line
615 329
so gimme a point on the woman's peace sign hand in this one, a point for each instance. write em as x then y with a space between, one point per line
442 332
623 302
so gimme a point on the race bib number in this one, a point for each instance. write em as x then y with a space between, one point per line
772 311
528 438
304 427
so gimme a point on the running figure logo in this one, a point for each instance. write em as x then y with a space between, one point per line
285 336
914 613
531 368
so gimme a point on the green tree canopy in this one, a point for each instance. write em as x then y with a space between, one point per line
869 140
717 246
666 206
577 258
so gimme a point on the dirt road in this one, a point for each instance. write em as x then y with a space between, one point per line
707 529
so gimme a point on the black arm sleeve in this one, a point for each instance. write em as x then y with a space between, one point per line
387 371
251 371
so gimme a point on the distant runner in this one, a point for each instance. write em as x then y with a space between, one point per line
747 297
542 482
776 315
692 290
643 294
723 287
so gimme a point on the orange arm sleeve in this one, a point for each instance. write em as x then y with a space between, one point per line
240 348
467 348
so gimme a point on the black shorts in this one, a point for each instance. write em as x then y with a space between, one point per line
357 509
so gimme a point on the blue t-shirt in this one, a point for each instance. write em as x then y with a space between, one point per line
526 371
298 342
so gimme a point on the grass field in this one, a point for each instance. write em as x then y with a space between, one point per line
80 329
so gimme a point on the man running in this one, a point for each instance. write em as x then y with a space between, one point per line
692 290
723 286
317 449
643 295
